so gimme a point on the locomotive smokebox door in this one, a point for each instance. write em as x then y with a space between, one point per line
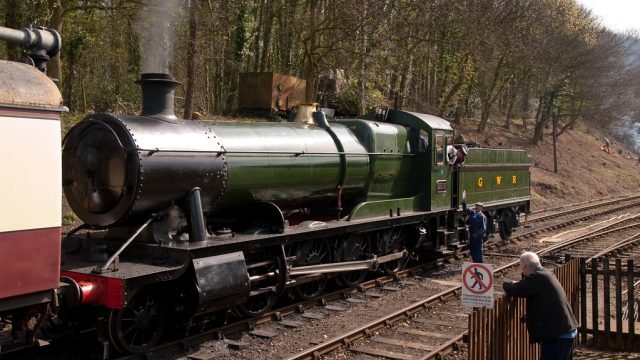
223 281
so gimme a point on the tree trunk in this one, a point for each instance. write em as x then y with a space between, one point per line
362 96
256 40
191 60
266 35
393 88
458 115
484 116
555 140
12 20
510 105
538 133
544 111
405 81
207 88
312 69
311 76
55 23
449 95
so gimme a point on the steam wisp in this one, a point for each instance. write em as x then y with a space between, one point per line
155 26
629 132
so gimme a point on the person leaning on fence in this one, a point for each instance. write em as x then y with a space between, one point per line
549 318
477 231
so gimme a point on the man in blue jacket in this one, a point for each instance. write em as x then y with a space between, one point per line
550 320
477 230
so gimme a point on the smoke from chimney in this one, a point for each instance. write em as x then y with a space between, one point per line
629 132
155 26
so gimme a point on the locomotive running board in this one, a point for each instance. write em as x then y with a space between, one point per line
371 264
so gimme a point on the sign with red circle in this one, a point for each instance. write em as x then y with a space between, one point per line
477 285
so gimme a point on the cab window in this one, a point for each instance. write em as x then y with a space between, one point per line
423 141
439 153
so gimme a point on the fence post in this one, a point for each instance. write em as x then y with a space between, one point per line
631 321
583 301
607 303
619 343
594 301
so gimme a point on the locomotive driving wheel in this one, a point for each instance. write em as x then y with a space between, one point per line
312 252
140 325
389 242
356 247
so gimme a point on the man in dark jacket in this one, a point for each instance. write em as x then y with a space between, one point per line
550 320
477 230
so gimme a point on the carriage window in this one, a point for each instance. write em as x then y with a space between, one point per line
439 149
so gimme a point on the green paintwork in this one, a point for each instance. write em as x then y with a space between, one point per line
287 179
440 172
427 173
380 166
389 207
391 164
493 166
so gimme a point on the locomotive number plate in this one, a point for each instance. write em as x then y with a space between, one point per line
441 186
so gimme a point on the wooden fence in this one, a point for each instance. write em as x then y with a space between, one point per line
499 334
609 304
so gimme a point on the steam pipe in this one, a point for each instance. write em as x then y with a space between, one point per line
104 267
196 216
43 43
40 39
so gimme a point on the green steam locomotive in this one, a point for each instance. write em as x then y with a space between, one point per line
202 217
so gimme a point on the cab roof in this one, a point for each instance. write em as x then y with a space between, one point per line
431 121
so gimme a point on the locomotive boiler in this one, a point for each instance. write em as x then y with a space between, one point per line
117 169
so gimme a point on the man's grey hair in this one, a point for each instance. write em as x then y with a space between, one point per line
530 260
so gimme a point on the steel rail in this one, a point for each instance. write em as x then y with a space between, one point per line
346 338
595 233
572 221
219 333
589 206
599 201
248 324
626 242
444 349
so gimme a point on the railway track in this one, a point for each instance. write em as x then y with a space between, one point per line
303 309
607 207
369 290
570 207
419 316
617 203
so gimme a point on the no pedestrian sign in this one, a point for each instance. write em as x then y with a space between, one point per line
477 285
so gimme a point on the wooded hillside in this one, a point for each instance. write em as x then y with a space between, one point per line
524 59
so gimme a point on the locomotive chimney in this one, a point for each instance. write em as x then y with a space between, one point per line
157 95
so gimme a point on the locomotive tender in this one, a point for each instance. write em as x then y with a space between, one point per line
188 218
